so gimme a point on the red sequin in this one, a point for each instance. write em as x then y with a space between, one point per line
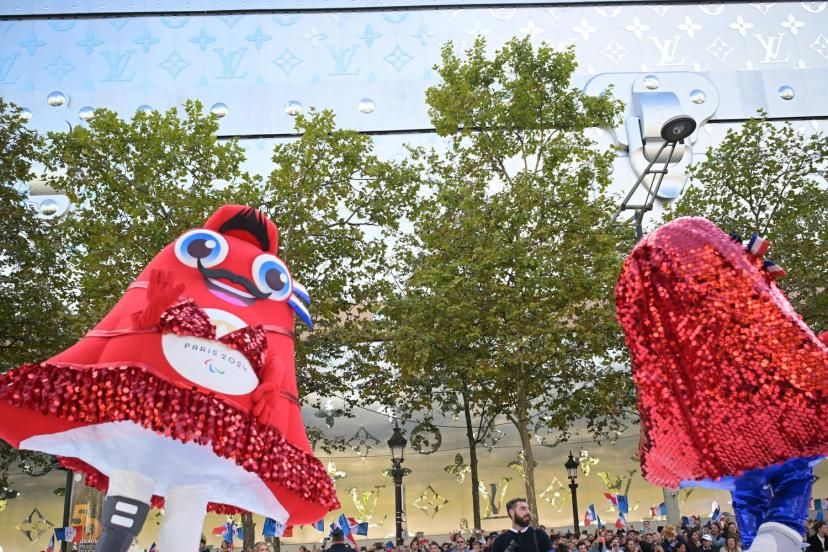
101 395
251 341
187 318
716 346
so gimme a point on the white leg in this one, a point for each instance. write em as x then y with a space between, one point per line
130 484
125 510
185 508
776 537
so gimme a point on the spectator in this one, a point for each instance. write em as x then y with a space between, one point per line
716 533
731 530
694 542
669 538
731 545
818 540
338 542
434 547
707 544
261 546
646 543
582 546
528 538
459 543
632 545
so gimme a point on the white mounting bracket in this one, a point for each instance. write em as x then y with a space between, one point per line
653 101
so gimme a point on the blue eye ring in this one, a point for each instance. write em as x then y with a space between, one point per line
271 275
205 245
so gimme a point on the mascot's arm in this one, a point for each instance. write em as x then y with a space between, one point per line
266 394
276 403
162 293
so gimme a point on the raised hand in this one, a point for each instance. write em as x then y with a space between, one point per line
162 293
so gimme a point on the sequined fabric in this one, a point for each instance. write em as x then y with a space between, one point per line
100 395
728 376
187 318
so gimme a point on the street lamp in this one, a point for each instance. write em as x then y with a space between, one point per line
397 444
571 466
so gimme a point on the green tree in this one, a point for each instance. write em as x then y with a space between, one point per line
769 179
136 185
33 318
338 207
431 342
513 259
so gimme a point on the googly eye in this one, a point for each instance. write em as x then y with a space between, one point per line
205 245
271 275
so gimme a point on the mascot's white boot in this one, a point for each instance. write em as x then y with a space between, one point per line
776 537
125 510
185 508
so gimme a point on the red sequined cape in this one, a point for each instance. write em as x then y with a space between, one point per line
728 376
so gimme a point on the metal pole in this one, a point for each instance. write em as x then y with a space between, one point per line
397 472
574 486
67 505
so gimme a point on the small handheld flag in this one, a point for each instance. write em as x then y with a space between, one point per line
623 504
715 511
621 522
758 246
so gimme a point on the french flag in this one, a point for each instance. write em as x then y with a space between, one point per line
343 524
774 270
715 511
623 504
621 522
51 547
612 498
591 516
758 246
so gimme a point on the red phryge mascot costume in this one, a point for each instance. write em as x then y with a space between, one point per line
186 390
732 384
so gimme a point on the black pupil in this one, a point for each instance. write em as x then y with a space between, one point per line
274 280
198 248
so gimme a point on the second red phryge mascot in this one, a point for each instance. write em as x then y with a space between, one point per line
186 390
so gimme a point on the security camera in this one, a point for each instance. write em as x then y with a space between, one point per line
677 128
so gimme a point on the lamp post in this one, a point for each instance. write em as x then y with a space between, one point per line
571 466
397 444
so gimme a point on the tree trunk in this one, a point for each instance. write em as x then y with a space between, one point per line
475 479
529 456
249 529
521 422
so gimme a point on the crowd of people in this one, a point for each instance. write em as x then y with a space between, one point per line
715 536
721 535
